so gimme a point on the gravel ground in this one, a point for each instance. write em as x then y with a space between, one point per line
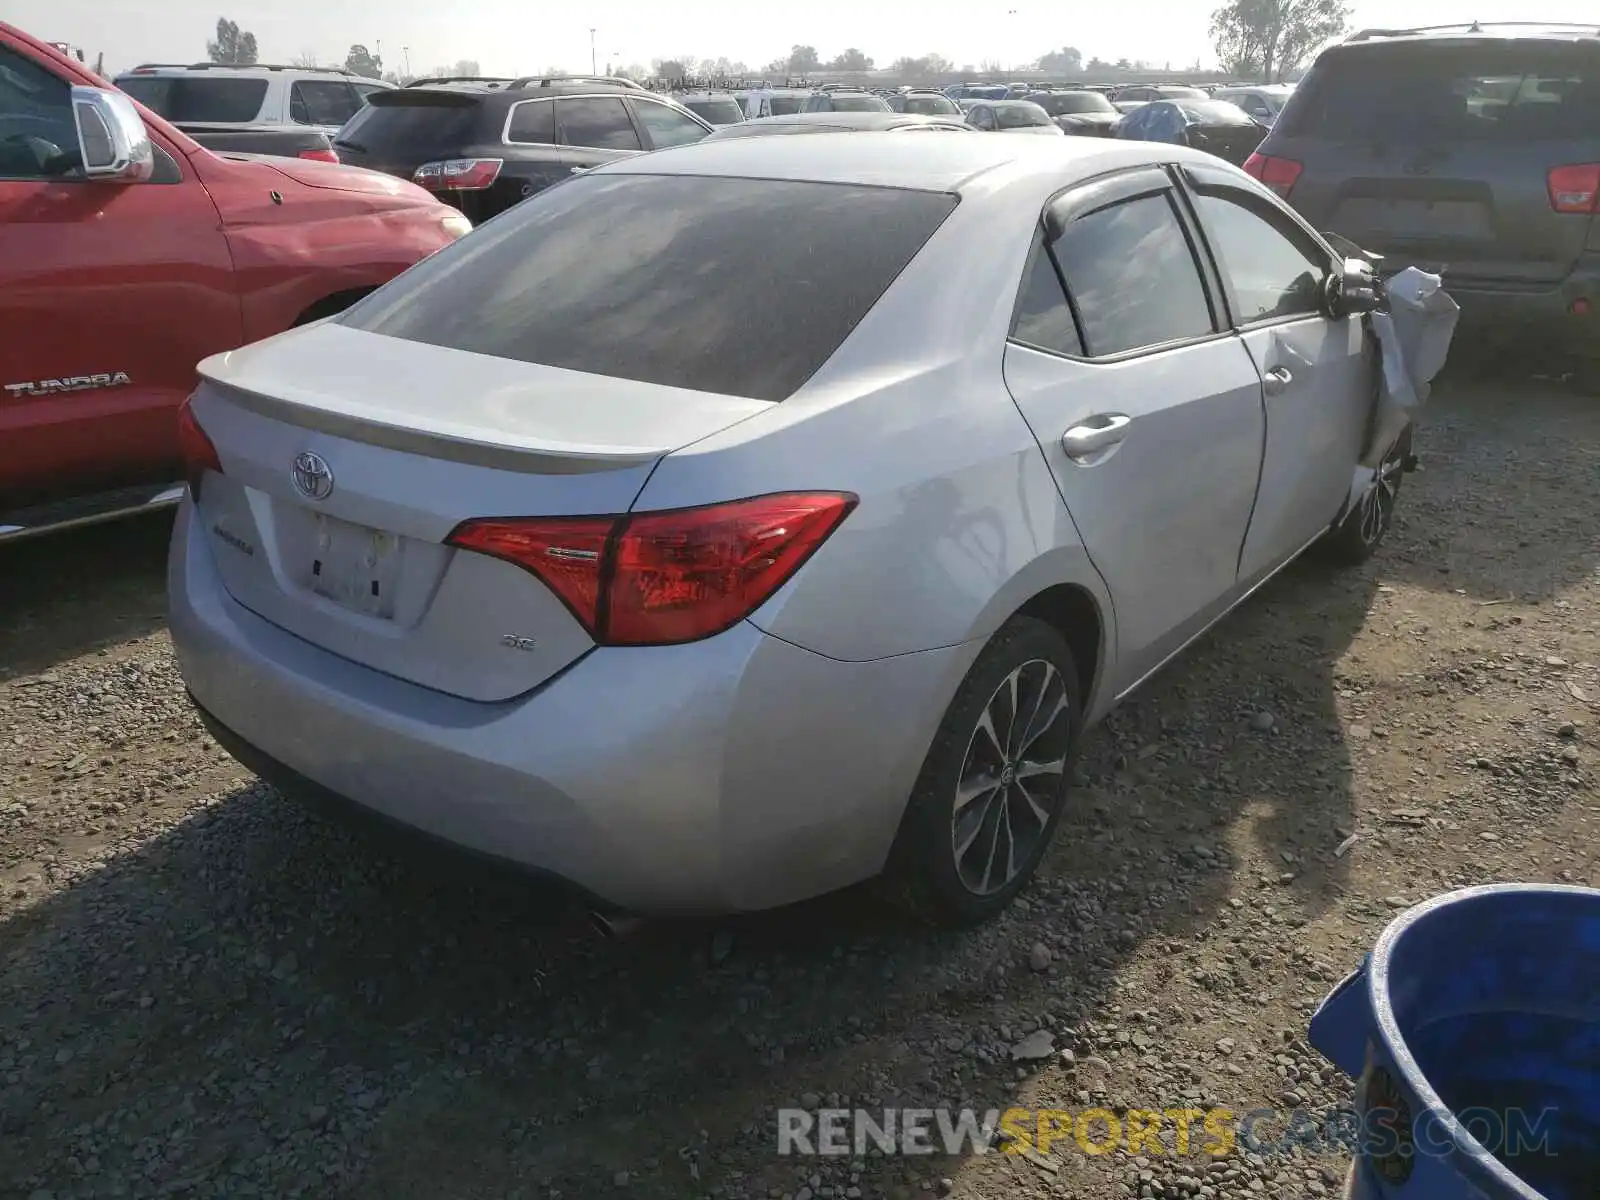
206 992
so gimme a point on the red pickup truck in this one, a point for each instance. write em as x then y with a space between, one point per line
128 253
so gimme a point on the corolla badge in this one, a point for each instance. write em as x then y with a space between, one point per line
313 478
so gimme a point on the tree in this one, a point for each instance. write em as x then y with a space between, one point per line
1271 38
306 60
233 45
1065 61
851 60
361 61
669 68
467 66
803 60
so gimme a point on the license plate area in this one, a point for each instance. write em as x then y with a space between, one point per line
355 566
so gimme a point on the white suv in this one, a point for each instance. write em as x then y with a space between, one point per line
218 94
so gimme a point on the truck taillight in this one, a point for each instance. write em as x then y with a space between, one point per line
659 578
199 455
1573 189
1279 174
458 174
320 155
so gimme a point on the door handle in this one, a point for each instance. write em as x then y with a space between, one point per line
1276 380
1083 443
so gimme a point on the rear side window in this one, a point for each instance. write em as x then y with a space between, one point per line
197 99
1133 277
533 121
666 279
322 102
782 106
597 123
404 122
1502 93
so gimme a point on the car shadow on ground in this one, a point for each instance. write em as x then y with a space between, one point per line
263 1002
64 594
261 999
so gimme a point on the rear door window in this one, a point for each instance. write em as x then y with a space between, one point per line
1133 276
198 99
1502 93
596 123
666 279
322 102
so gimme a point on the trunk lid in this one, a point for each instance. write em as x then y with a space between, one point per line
346 548
1437 154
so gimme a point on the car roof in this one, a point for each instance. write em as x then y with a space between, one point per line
1009 103
246 71
923 164
1478 31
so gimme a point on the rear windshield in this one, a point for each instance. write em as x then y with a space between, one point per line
931 106
858 104
782 106
195 99
1059 104
1172 92
742 287
398 121
718 112
1020 116
1214 112
762 127
1504 92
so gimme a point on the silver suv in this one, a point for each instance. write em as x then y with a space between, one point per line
219 94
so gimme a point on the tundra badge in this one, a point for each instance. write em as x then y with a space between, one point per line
31 388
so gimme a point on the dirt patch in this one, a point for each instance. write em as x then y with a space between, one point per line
203 991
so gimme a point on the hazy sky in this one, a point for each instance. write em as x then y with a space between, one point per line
506 36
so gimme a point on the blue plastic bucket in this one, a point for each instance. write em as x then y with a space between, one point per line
1473 1032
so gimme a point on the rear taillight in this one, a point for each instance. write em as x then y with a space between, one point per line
458 174
1574 189
199 455
656 578
320 155
1279 174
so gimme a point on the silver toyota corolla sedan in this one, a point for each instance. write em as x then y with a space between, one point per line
736 523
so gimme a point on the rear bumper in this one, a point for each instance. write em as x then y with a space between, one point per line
1534 320
737 773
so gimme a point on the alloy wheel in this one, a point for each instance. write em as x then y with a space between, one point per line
1381 495
1012 777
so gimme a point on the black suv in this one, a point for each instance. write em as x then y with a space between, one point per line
1468 150
482 144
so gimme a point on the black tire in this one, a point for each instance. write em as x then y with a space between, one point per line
1361 531
928 874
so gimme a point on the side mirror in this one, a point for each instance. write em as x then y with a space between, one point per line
1354 289
114 144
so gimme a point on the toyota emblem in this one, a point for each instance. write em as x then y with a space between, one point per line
313 478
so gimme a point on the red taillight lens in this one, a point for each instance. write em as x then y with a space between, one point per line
458 174
1279 174
320 155
199 455
566 553
1574 189
657 578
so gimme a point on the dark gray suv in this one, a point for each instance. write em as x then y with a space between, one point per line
1470 150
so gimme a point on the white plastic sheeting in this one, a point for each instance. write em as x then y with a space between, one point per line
1414 340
